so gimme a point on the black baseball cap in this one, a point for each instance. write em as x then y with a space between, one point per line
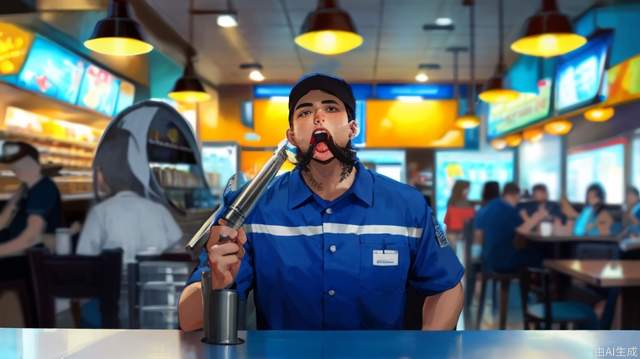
329 84
12 151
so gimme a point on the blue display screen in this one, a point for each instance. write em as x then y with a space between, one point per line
475 167
126 96
579 74
52 71
426 91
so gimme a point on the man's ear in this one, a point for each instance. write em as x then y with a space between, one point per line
291 137
354 129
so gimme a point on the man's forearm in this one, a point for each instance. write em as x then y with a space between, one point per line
190 308
441 311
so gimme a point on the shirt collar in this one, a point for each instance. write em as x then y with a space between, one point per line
362 187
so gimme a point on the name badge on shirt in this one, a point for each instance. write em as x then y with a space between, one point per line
385 258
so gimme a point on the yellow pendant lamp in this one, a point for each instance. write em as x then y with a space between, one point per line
514 140
328 30
548 33
494 90
118 34
533 135
188 87
558 127
599 114
499 144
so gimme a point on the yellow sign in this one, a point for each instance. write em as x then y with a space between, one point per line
14 46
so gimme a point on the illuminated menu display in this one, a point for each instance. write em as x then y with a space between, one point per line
99 90
579 74
14 45
525 110
52 71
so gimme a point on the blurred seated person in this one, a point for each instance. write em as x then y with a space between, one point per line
497 228
540 199
459 210
123 217
594 219
631 216
31 212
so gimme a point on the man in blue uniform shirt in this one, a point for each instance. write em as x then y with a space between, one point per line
332 245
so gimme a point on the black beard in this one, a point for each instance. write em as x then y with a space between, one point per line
346 156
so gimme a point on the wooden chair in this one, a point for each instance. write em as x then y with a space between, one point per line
504 280
76 277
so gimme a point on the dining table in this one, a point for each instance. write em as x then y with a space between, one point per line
623 274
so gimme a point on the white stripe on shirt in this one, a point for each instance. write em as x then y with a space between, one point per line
334 228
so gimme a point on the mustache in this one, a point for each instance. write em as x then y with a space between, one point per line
346 155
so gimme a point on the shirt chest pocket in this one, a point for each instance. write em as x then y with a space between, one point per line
384 263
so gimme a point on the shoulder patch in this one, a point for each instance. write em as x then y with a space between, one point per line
441 237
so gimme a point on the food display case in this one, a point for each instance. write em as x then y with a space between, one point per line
166 159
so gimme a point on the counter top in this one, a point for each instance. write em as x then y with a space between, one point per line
94 343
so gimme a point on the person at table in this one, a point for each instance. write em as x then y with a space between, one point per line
332 245
459 210
540 199
594 219
497 228
490 191
631 216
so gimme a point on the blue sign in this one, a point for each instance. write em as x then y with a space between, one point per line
361 109
52 71
99 90
426 91
579 74
246 114
360 91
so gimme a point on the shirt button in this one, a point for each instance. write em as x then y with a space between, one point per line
328 211
331 292
332 248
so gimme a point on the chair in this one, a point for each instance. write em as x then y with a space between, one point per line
137 282
21 287
504 279
76 277
536 282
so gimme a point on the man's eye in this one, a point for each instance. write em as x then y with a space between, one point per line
303 113
332 109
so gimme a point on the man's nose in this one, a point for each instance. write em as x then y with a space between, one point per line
318 117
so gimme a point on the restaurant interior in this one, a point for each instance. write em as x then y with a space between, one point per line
466 101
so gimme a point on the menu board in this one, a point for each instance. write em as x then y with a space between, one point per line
14 46
126 96
579 74
99 90
525 110
602 164
52 71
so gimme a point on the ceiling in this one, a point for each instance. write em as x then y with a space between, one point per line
394 42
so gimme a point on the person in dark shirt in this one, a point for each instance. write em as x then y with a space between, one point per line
540 200
32 211
497 227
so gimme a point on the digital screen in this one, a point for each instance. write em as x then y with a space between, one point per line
540 162
246 114
99 90
602 164
220 162
52 71
579 74
126 96
361 111
390 163
527 109
475 167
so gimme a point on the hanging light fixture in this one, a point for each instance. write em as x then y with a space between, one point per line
227 17
513 140
117 34
256 71
533 135
188 87
548 33
558 127
470 120
599 114
495 90
422 75
499 144
328 30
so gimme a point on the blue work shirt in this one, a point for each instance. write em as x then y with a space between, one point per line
341 264
499 221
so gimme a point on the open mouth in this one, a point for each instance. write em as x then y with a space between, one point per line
319 140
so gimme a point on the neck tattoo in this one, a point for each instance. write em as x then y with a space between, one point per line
346 171
312 181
